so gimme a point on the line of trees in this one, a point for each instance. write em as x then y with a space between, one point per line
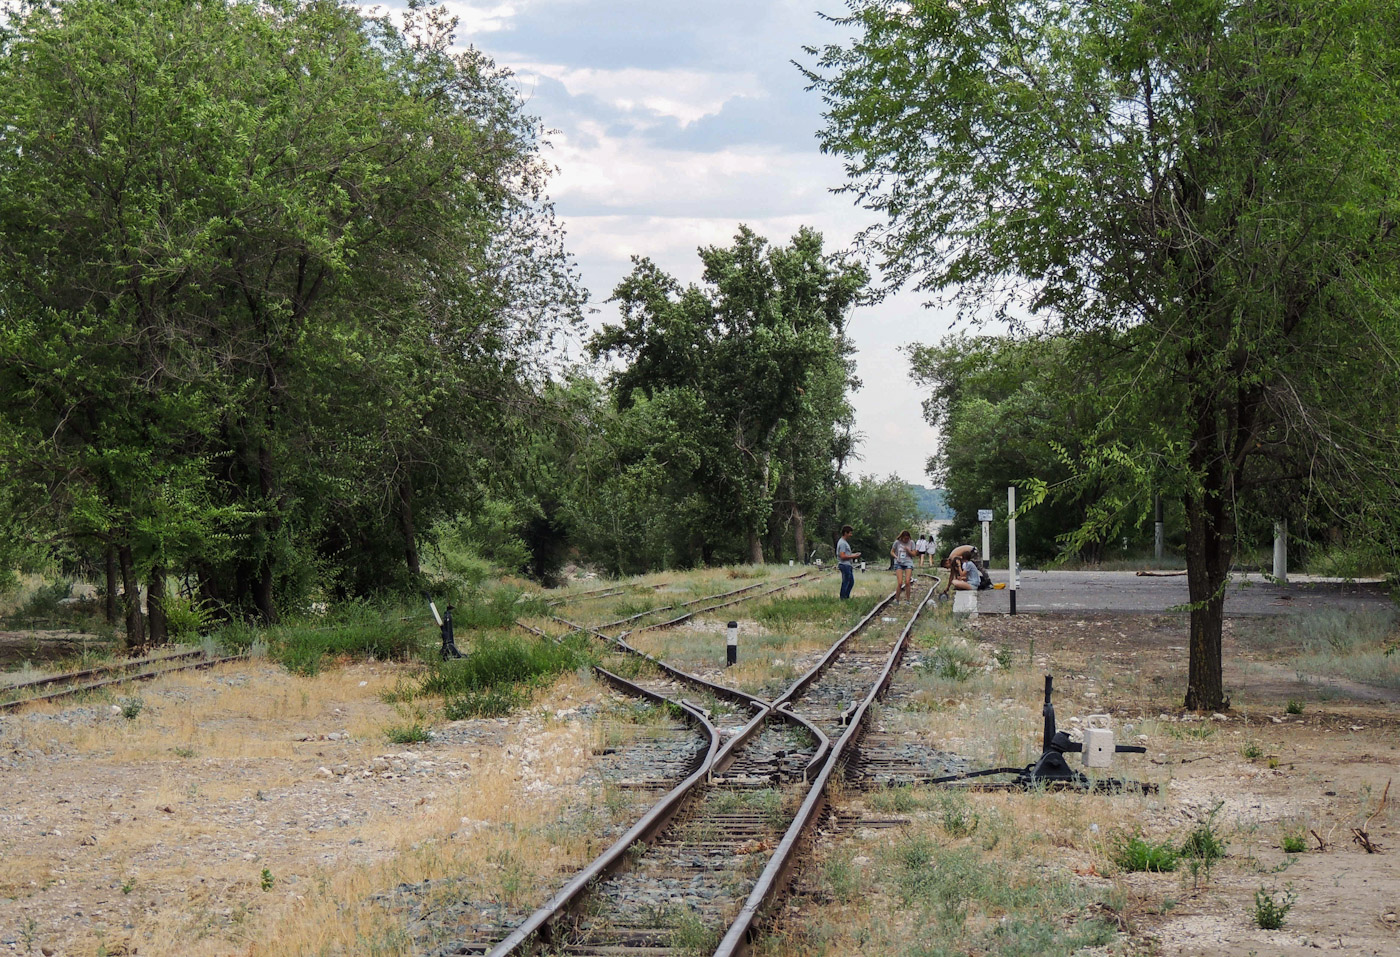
275 282
279 293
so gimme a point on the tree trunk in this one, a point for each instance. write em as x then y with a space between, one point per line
755 547
263 585
410 534
799 534
775 538
131 600
155 607
1210 536
111 597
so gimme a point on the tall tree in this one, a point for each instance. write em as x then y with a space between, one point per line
1214 181
767 327
282 262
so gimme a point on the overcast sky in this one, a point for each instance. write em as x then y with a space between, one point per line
676 122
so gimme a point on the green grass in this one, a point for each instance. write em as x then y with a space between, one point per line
1021 909
780 612
413 733
1349 644
495 660
1134 854
303 649
500 673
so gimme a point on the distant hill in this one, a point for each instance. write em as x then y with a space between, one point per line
933 503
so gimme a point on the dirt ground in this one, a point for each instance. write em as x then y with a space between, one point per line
1317 774
244 811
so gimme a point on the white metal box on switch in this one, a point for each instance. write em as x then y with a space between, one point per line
1098 742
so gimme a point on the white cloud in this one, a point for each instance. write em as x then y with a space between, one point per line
684 95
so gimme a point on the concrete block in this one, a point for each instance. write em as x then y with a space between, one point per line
965 603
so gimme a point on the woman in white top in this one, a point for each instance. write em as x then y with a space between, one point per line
902 551
921 547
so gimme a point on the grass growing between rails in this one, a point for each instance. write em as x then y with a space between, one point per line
782 612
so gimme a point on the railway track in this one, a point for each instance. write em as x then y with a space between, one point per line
701 866
73 683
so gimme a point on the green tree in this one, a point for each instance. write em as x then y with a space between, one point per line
743 352
1209 185
272 274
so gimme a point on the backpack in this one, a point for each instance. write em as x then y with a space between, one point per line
986 580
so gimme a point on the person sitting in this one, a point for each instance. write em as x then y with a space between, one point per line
954 565
970 577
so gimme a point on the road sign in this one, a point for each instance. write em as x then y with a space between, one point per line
984 515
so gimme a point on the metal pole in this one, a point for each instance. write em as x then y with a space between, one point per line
1011 570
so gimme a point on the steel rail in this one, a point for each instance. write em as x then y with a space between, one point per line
796 580
645 828
773 878
139 676
717 759
125 665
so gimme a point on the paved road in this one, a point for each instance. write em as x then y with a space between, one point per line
1064 591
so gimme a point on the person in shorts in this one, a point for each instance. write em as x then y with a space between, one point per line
902 551
844 557
954 565
921 548
970 576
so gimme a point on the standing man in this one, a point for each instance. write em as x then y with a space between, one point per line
844 555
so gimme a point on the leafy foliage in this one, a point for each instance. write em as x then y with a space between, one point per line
1200 196
274 279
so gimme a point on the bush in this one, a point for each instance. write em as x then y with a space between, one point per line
503 660
1136 854
787 611
44 601
186 618
1203 843
301 649
489 703
1271 907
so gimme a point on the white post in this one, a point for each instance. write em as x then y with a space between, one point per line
1159 536
1281 550
1011 574
731 645
987 542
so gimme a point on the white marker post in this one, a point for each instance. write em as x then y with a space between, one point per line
984 515
1011 544
731 647
1281 551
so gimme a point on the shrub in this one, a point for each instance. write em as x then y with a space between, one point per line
44 601
302 648
787 611
1294 843
490 703
1271 907
504 660
1294 707
186 618
1137 854
408 733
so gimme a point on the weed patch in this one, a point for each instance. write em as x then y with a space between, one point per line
1138 854
1271 907
804 608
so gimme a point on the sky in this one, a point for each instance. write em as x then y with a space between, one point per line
677 121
